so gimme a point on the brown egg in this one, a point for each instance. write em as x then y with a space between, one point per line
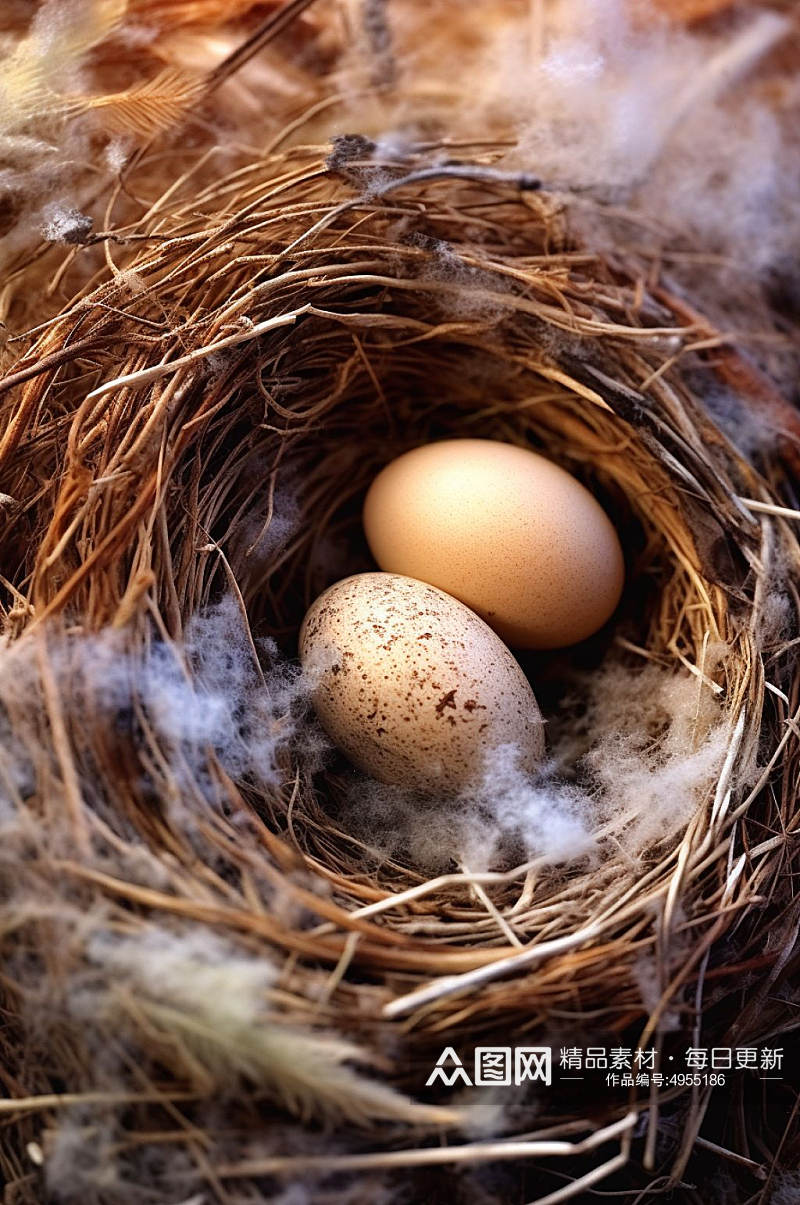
504 530
412 686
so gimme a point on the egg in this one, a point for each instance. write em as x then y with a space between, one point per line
503 529
414 687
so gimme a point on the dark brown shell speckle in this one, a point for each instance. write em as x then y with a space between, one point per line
413 686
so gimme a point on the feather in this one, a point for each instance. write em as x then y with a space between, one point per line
307 1074
170 13
145 109
59 38
688 10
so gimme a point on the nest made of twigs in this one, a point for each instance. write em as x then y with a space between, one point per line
307 319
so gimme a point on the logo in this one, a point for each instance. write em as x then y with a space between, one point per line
621 1066
495 1065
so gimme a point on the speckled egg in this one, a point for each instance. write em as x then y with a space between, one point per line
503 529
414 687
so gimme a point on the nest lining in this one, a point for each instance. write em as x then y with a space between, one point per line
297 324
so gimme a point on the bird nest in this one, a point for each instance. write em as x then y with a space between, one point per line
198 946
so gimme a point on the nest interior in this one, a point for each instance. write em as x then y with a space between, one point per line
291 328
